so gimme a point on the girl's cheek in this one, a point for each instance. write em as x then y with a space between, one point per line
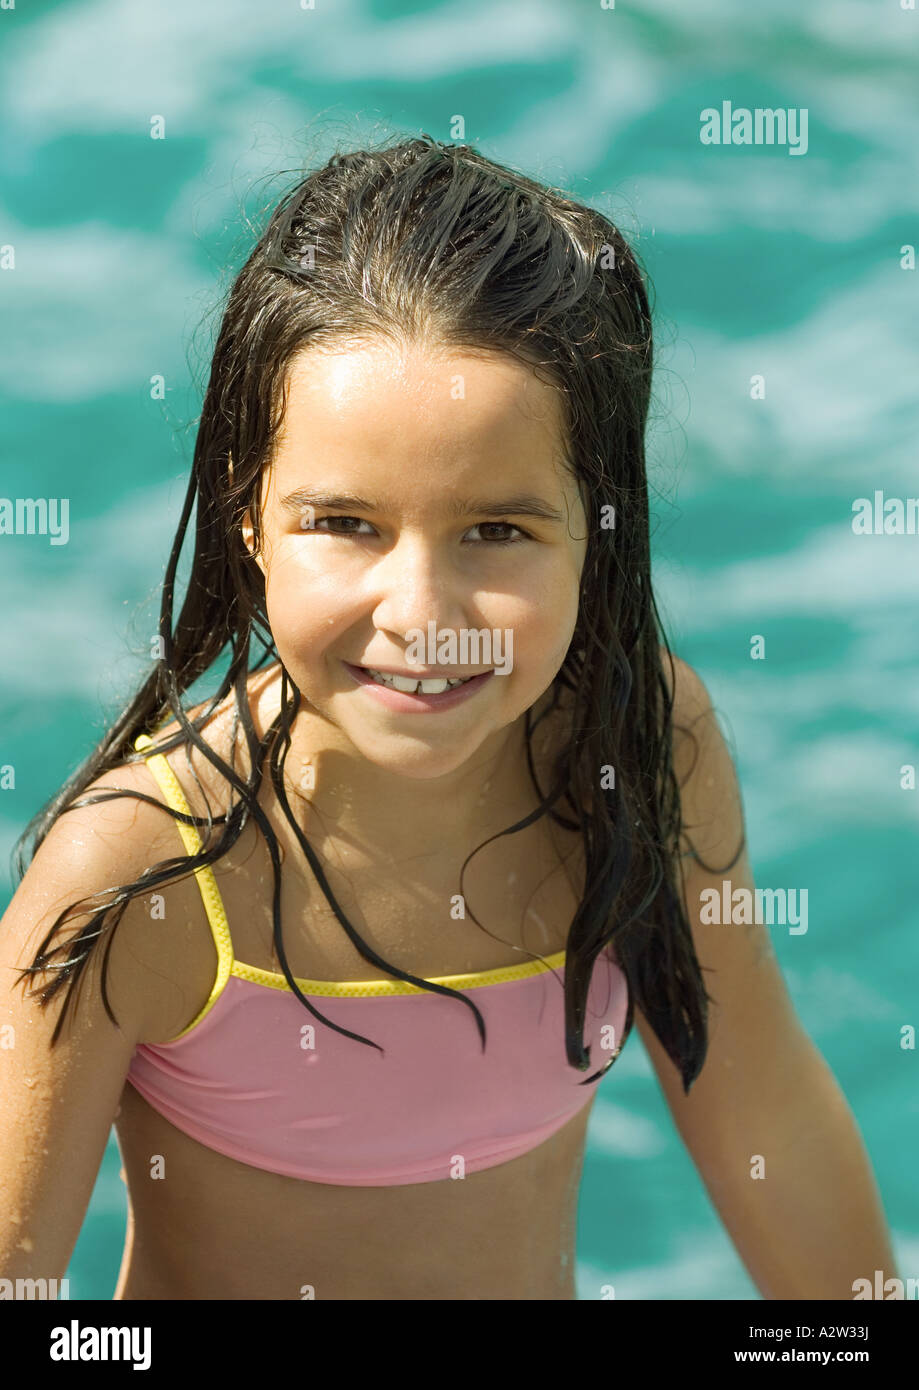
298 574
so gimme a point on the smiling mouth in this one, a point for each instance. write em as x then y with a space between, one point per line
411 685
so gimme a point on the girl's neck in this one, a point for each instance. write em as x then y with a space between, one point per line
334 792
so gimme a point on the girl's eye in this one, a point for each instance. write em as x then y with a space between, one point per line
498 526
348 532
487 525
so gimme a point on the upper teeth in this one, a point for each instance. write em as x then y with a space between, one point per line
413 687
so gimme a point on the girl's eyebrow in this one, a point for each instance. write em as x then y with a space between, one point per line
522 504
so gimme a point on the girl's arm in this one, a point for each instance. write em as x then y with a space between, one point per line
766 1102
57 1106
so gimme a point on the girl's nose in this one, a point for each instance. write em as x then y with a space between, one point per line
415 584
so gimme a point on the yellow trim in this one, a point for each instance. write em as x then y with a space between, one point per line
228 965
356 989
207 884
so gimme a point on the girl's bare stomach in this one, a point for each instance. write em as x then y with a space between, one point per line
212 1228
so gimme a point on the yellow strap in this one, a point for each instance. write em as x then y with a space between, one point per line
207 884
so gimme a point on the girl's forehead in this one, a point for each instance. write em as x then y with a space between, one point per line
476 378
460 413
377 421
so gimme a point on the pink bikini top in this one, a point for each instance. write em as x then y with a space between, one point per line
257 1077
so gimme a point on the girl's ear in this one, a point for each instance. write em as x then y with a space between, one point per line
248 534
247 530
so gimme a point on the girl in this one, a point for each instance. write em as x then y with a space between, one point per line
420 459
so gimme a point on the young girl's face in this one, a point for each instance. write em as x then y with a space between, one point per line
440 449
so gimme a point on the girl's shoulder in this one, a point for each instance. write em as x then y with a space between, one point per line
91 865
171 935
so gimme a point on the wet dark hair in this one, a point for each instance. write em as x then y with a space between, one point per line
419 240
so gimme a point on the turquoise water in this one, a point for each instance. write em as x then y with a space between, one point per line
764 263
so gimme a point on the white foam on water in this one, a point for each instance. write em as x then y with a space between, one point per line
619 1133
701 1265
